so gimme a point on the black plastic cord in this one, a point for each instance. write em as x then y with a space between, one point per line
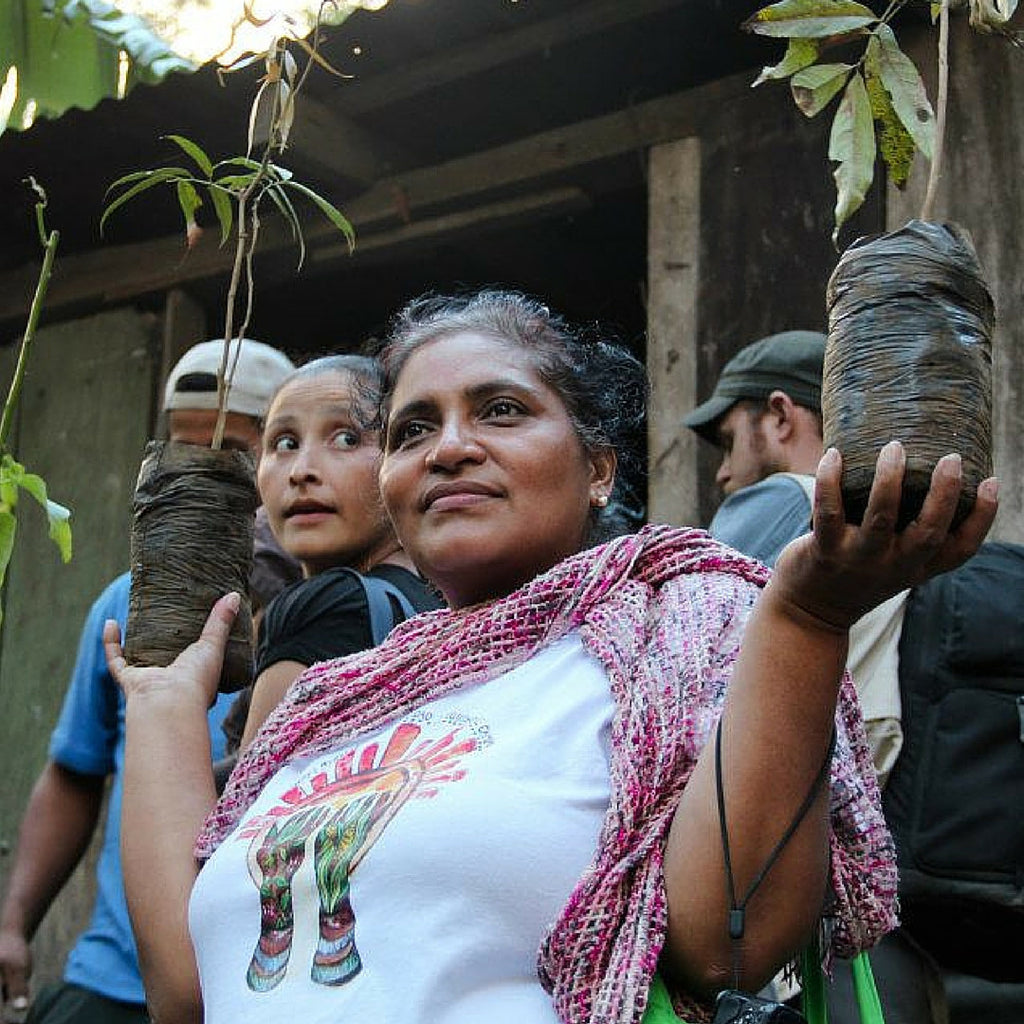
738 908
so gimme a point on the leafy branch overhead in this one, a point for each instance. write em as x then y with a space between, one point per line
883 105
239 187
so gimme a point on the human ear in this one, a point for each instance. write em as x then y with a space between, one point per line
781 412
603 463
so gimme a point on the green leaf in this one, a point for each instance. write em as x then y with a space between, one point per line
799 54
60 528
153 178
11 473
814 87
287 210
905 88
810 19
224 209
35 485
895 143
189 201
203 162
238 161
852 145
232 184
139 175
8 525
332 213
58 516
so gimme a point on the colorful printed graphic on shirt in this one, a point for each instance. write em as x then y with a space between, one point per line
343 810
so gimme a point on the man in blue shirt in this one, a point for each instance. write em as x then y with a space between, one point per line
102 982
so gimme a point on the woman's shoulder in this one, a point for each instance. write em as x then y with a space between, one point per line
337 588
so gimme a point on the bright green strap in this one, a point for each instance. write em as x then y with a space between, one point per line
659 1005
867 994
812 985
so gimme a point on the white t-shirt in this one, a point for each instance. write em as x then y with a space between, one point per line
446 845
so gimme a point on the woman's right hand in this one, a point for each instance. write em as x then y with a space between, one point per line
841 570
196 670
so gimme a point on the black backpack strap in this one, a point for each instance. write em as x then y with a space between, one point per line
381 598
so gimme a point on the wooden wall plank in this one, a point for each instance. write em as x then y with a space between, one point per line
85 415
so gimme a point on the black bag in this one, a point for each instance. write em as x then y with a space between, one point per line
955 799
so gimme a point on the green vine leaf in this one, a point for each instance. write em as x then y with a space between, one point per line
896 145
814 87
800 53
852 146
905 88
810 19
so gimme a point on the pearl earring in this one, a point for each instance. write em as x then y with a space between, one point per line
600 500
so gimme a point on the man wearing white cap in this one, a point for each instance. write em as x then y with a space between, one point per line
102 982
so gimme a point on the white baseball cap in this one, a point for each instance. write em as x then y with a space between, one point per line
192 383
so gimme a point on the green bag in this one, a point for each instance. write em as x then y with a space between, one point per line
659 1004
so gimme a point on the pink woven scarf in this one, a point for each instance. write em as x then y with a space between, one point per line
664 612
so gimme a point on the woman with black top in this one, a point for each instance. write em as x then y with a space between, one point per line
317 477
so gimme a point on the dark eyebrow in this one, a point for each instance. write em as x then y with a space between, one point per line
475 392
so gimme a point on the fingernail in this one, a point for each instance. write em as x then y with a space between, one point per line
989 489
830 458
892 452
955 463
234 600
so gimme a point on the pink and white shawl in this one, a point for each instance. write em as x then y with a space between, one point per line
664 612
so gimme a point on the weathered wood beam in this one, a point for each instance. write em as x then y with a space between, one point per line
501 215
481 55
558 156
332 144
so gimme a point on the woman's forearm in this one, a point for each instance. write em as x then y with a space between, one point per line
168 791
776 730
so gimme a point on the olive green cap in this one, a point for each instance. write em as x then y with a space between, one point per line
791 362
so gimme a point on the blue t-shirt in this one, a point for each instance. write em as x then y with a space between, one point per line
760 520
89 739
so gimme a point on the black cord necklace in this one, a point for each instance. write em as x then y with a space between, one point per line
734 1006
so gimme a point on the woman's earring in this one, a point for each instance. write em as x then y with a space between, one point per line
600 500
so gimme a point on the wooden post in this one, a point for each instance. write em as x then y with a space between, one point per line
672 276
184 326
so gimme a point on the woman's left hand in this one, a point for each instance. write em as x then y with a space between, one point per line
840 571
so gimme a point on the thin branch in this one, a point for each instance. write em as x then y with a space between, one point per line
941 101
35 310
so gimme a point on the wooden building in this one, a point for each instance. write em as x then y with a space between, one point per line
606 155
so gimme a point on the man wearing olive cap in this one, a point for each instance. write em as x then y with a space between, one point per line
765 417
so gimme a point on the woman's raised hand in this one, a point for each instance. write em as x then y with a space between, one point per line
840 571
197 669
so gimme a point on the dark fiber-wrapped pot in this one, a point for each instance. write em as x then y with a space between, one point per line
192 535
909 358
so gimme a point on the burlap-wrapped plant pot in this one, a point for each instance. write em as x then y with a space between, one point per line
909 358
191 542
